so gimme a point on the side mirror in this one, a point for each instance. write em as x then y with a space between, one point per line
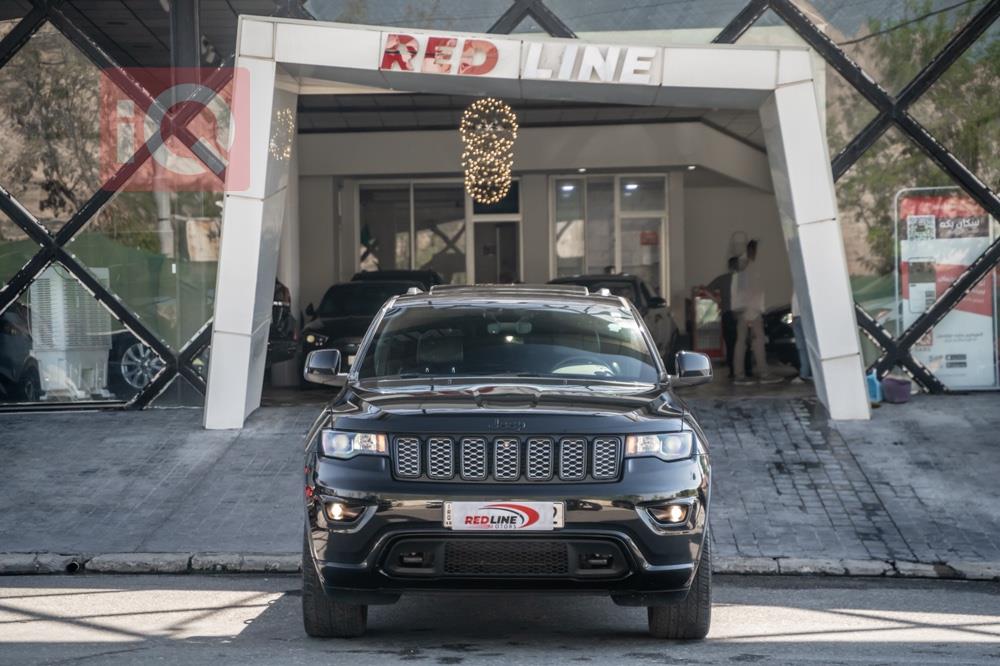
692 369
657 302
323 367
310 310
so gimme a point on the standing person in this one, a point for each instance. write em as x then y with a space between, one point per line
748 301
724 286
805 370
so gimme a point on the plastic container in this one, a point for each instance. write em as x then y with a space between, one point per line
896 390
874 388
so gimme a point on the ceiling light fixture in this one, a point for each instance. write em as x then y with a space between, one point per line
488 130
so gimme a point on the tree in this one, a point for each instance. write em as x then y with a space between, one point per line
960 110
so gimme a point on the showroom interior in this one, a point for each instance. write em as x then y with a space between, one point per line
655 191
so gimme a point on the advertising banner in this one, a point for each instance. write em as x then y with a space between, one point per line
941 231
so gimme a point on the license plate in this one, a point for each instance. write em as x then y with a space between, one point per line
504 516
350 360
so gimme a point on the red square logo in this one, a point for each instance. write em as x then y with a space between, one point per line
190 129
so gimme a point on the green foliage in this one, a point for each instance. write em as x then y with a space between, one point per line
960 110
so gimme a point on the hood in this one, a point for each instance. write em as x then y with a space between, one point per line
340 327
488 408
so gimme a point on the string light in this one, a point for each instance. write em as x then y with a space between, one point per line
283 133
488 130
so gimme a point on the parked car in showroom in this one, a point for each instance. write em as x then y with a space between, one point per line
345 312
132 364
505 438
779 336
653 308
19 378
426 278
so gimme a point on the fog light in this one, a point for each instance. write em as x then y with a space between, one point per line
339 512
669 514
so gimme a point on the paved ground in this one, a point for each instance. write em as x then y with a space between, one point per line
918 483
237 620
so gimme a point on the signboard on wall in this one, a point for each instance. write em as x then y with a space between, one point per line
941 231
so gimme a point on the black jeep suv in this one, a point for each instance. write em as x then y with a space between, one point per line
507 439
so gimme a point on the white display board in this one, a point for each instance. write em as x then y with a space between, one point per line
940 232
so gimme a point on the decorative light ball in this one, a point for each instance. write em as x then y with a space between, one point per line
488 130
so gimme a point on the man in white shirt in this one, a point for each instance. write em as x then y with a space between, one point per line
748 303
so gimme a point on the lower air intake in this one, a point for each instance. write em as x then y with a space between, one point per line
506 558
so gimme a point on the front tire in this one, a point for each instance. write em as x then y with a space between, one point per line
322 616
691 618
29 385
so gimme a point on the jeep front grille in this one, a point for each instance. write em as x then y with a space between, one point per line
406 459
606 454
507 458
440 458
472 465
572 459
539 458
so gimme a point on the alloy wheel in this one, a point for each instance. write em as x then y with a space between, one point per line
139 365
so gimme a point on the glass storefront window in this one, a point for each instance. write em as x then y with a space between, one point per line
961 108
16 249
49 114
867 196
439 230
385 227
600 226
892 40
509 205
161 253
641 250
642 194
676 22
570 215
587 231
59 344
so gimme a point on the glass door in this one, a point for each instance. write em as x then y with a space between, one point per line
497 252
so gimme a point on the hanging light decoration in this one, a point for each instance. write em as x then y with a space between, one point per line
488 130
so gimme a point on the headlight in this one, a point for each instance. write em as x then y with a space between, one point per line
338 444
665 446
787 319
316 339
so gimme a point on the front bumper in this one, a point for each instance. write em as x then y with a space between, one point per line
650 564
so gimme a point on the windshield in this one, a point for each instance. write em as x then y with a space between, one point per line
359 299
584 340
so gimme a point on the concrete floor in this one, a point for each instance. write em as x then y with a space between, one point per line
234 620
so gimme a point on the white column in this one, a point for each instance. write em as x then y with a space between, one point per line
807 205
248 254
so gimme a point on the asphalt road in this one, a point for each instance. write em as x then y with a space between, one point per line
255 620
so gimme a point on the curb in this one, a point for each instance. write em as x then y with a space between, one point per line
12 564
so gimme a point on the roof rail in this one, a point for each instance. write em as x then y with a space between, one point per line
564 289
413 291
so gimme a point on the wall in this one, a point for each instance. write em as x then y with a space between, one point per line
713 214
612 147
319 228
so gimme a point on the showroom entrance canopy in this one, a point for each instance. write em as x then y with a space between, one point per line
285 58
